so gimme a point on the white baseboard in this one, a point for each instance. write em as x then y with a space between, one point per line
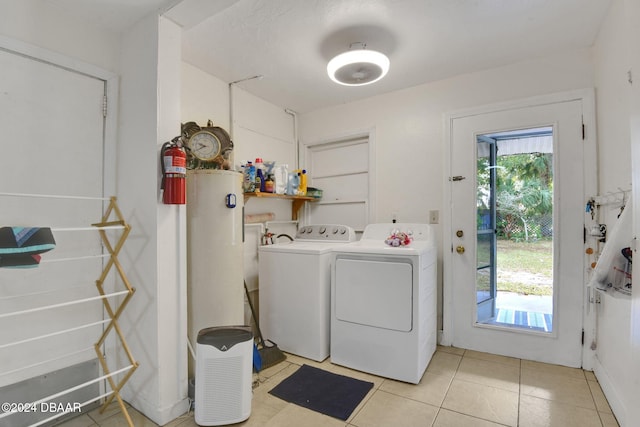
160 416
611 392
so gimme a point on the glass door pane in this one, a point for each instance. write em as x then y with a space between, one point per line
514 279
486 285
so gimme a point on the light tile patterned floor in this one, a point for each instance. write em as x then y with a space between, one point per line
461 388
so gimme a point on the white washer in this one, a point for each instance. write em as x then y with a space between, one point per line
383 303
295 283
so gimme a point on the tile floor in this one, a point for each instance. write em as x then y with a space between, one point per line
461 388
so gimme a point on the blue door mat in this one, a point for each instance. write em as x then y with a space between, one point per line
522 319
321 391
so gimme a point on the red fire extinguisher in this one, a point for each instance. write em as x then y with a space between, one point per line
174 173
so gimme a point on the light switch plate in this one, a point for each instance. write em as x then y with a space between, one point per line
434 217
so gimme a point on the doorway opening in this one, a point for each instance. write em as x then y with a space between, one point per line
514 215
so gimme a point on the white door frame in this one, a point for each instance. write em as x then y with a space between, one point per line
587 97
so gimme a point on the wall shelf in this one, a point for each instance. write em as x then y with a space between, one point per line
298 201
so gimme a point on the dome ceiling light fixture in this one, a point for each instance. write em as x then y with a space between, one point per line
358 66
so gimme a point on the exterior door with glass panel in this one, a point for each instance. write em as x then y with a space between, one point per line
516 232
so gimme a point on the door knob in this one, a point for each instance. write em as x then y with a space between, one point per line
460 249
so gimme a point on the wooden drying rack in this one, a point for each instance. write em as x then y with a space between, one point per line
113 309
115 314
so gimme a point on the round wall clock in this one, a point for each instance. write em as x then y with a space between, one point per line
204 145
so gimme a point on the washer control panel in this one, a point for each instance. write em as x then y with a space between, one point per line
326 232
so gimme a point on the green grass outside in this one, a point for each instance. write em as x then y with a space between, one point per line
525 267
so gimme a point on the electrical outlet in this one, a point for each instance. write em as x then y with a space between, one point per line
434 217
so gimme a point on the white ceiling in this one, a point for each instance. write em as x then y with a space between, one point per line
289 42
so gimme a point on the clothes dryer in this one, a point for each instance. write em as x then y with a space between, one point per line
383 303
294 289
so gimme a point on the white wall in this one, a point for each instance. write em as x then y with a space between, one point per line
172 232
632 15
259 129
408 126
39 23
203 98
154 257
264 130
611 63
612 89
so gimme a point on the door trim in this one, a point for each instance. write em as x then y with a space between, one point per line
587 98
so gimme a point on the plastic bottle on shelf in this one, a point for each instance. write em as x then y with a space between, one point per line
296 185
249 182
260 175
302 185
258 181
292 184
280 178
269 184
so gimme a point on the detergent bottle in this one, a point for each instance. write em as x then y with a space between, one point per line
302 185
260 175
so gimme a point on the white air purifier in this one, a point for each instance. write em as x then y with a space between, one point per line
224 366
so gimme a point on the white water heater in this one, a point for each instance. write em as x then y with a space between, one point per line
215 251
224 367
